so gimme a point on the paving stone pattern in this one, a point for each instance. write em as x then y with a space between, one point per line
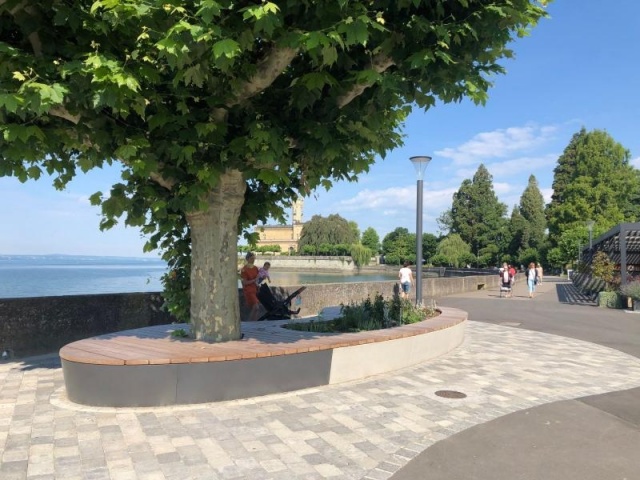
359 430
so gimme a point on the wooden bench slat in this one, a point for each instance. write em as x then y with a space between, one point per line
155 346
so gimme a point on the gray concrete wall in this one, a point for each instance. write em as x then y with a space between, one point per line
30 326
317 297
285 262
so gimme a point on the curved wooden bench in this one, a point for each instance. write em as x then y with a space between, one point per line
149 367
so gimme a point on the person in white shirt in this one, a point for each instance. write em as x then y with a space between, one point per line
406 279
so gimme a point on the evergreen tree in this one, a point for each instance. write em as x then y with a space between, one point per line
478 216
371 240
594 181
518 234
532 211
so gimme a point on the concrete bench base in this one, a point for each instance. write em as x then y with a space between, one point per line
147 367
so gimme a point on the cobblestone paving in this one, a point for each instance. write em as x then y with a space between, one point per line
359 430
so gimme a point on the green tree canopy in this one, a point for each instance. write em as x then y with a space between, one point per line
356 230
221 113
595 181
371 240
399 246
532 211
331 230
477 215
455 249
429 245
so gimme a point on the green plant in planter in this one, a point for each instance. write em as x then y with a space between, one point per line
603 268
631 289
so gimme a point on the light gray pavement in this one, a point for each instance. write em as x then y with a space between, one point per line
369 429
588 438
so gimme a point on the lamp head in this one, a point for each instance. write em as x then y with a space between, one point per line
420 163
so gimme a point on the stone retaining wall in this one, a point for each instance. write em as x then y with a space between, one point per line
285 262
30 326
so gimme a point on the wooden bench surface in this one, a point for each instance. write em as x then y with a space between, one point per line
156 346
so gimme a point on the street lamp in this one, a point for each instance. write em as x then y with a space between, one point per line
590 225
420 163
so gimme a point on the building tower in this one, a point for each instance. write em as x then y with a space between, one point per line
296 214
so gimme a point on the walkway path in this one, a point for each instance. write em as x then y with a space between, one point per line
367 429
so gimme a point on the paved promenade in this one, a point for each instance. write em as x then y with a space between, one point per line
382 427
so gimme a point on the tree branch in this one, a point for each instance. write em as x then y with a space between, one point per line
269 68
163 182
33 37
379 64
62 112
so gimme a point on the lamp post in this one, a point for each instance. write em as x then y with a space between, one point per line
420 163
590 225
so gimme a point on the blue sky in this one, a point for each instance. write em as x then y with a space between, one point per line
579 68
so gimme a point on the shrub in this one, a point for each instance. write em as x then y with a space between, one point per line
631 289
369 315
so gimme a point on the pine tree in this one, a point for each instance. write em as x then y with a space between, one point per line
532 211
478 216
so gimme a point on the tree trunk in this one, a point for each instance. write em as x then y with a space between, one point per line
215 311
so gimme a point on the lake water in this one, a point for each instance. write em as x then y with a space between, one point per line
56 275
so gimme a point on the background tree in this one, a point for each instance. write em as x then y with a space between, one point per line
518 235
356 230
478 216
596 183
533 214
222 113
399 246
454 249
371 240
429 246
332 230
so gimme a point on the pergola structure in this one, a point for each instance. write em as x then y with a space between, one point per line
621 244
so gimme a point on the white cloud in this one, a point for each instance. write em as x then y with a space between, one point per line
391 201
635 162
519 165
546 194
498 144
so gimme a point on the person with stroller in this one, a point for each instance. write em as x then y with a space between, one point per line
506 280
249 278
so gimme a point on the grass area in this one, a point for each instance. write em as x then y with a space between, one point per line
373 314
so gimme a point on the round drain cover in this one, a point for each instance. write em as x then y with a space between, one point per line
450 394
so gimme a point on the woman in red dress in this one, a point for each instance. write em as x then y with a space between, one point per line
249 276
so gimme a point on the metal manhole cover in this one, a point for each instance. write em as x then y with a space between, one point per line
450 394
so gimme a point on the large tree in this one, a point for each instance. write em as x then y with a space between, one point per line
371 240
532 211
479 217
331 230
221 113
399 246
595 181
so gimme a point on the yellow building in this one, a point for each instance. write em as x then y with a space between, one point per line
286 236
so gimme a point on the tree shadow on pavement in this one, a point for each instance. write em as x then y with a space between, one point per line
569 294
